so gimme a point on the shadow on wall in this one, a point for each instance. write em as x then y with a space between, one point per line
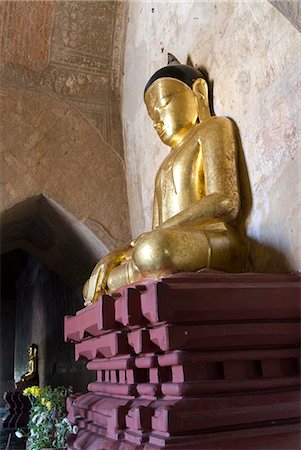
271 259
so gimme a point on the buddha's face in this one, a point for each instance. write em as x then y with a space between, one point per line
171 106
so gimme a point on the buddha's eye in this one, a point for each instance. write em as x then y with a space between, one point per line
164 102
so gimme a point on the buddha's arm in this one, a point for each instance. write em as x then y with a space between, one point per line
97 283
31 367
155 213
27 375
221 203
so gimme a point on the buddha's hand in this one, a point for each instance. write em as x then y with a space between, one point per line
97 283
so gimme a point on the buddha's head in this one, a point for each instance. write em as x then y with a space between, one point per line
32 350
175 97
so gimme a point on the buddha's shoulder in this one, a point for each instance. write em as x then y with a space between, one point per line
214 124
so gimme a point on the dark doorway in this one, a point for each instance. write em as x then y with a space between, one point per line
34 300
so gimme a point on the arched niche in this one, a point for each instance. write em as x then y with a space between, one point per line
48 148
34 301
44 229
61 253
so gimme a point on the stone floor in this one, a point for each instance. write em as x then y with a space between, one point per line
15 443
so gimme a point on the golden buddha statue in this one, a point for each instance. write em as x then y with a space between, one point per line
196 201
31 376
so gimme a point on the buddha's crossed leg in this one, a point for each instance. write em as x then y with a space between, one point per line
187 249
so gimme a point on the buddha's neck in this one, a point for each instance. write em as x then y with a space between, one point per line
183 139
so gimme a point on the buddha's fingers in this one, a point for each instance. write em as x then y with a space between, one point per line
91 285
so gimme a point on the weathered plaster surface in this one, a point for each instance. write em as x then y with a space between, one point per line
252 54
60 127
76 51
17 45
49 148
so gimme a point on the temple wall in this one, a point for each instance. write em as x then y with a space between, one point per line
252 53
60 120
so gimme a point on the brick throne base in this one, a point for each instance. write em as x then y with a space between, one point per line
193 361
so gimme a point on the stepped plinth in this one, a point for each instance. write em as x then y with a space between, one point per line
17 410
198 361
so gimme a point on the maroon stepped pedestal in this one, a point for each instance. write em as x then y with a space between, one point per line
193 361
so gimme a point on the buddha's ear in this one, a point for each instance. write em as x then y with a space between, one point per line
200 90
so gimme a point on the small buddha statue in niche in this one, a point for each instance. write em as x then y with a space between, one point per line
31 376
196 199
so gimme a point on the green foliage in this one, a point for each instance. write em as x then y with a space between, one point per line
48 426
